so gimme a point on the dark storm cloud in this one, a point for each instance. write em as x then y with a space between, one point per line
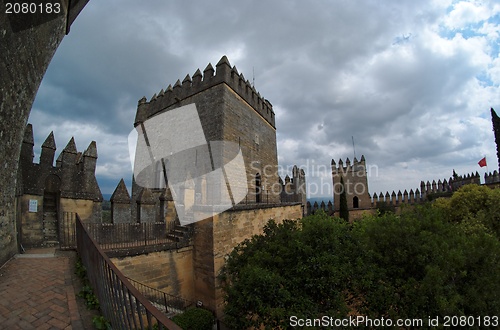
397 76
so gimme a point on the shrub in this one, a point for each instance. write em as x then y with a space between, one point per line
195 319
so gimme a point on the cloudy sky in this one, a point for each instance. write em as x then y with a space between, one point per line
411 81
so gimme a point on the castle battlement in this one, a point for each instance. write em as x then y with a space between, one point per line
357 166
426 189
492 177
74 170
190 86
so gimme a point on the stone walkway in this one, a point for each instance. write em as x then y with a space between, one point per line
38 292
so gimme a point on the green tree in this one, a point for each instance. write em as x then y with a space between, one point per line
397 266
295 268
422 265
473 205
344 210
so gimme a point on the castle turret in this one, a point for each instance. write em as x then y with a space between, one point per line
355 184
90 158
120 204
69 154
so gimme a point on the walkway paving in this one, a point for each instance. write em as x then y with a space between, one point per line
38 292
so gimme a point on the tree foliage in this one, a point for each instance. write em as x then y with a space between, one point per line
344 210
424 262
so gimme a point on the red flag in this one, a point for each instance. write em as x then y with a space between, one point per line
482 162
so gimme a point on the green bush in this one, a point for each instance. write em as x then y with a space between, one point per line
195 319
392 266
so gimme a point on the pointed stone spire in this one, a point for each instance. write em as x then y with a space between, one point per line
224 70
28 135
177 84
91 150
48 150
27 153
71 147
120 195
187 80
146 197
49 142
197 77
333 162
223 61
208 72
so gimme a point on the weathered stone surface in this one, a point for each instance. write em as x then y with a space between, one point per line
25 52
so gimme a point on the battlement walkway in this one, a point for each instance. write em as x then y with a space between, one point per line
38 291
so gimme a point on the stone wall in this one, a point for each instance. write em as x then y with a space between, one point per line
27 47
169 271
31 229
216 237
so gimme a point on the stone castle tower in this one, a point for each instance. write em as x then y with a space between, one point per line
230 109
355 184
45 191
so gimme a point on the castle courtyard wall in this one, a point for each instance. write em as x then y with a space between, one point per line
31 222
168 271
88 210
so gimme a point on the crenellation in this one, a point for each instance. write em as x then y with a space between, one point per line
224 73
48 151
187 82
208 73
197 78
71 185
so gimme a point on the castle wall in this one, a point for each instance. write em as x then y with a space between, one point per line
257 139
29 47
216 237
88 210
32 222
168 271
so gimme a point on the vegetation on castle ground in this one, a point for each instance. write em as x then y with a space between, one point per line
438 259
195 319
91 301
